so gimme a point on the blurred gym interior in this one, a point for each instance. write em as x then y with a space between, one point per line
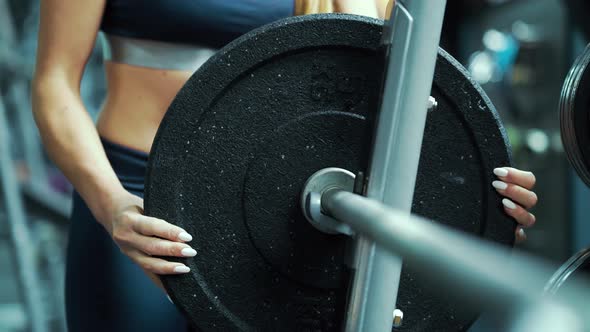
519 51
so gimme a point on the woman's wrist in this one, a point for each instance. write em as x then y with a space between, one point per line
364 8
102 202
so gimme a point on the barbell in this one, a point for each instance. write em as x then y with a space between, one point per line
265 113
249 128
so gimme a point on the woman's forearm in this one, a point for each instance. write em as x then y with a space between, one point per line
72 142
370 8
365 8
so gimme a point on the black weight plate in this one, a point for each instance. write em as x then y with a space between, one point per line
261 116
574 114
578 265
579 10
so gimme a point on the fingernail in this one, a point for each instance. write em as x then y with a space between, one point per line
521 232
184 236
509 204
188 252
501 172
182 269
169 299
499 185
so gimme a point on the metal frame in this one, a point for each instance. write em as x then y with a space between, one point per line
414 29
24 253
31 241
12 61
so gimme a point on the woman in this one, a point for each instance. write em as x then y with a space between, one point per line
152 49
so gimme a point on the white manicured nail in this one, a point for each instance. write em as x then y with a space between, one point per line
501 172
533 217
188 252
182 269
184 236
521 232
509 204
499 185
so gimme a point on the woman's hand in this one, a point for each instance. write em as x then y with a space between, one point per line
516 186
141 237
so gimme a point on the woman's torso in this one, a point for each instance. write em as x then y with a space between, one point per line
139 92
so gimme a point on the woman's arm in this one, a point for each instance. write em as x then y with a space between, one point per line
375 8
67 34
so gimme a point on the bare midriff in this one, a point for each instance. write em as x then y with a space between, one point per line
137 99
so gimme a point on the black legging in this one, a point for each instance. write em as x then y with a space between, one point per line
105 290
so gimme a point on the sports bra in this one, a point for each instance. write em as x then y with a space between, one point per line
180 34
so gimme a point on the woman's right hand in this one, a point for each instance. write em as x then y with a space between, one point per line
141 237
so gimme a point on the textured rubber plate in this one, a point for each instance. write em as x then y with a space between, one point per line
577 266
261 116
574 115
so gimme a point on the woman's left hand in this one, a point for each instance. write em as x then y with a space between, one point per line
516 186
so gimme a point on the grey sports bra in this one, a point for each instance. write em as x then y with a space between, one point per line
180 34
154 54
